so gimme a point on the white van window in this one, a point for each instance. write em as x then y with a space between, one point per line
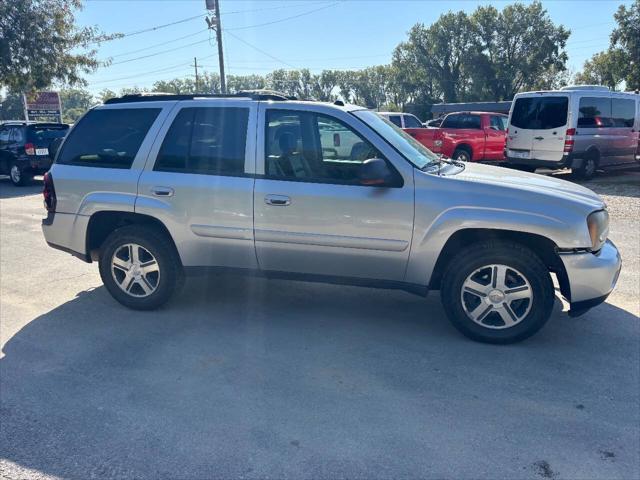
540 113
594 112
623 112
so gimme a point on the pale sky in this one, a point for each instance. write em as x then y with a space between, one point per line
262 35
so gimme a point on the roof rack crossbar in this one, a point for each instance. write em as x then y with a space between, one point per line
161 96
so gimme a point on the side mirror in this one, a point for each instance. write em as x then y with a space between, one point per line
374 171
54 146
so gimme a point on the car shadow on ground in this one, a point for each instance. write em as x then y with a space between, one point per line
251 378
9 190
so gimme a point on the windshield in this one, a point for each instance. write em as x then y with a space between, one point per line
411 149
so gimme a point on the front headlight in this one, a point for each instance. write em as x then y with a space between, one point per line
598 223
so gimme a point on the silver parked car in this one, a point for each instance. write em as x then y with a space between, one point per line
582 127
157 187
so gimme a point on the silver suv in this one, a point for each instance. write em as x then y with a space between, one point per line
157 187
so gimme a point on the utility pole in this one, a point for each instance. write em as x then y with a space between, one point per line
195 64
214 24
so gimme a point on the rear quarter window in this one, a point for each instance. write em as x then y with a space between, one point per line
108 138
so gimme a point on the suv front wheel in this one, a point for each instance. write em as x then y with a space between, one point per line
497 292
140 267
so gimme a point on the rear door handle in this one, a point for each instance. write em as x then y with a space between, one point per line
162 191
277 200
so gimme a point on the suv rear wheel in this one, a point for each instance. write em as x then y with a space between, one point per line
497 292
589 166
140 267
18 176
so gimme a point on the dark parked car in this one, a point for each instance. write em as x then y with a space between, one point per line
24 148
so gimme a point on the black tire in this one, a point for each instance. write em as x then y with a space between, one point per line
170 277
19 176
462 154
589 166
514 256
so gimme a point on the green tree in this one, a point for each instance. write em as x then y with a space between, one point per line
442 50
75 102
106 94
11 106
516 47
607 68
41 44
621 61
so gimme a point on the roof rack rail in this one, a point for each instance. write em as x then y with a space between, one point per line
163 96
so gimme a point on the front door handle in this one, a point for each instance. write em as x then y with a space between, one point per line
162 191
277 200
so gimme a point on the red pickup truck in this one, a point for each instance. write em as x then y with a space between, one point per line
466 136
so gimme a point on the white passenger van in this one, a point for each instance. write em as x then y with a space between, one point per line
581 127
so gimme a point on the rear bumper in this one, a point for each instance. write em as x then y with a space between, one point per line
592 276
566 162
67 232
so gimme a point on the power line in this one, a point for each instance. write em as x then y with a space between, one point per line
157 27
259 49
284 19
160 53
158 44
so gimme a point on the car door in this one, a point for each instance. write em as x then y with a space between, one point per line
312 215
4 154
198 180
494 137
624 141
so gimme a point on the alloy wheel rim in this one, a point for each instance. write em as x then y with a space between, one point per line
135 270
15 174
496 296
590 167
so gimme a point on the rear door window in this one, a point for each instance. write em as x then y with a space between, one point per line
108 138
396 120
411 122
594 112
498 123
540 113
470 122
623 112
452 121
209 141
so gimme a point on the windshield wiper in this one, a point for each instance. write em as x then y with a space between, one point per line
442 159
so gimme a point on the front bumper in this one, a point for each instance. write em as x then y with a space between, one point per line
592 276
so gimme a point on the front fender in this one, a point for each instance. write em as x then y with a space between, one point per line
430 239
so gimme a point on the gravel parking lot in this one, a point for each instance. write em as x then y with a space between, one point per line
248 378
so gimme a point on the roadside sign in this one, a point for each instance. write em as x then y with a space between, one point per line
43 106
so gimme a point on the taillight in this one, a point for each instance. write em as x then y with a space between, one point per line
49 193
569 140
29 149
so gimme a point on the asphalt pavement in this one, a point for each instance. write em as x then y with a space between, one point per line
253 378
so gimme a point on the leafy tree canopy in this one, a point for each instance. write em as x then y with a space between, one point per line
41 44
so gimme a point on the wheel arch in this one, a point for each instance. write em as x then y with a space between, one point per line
464 146
545 248
103 223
